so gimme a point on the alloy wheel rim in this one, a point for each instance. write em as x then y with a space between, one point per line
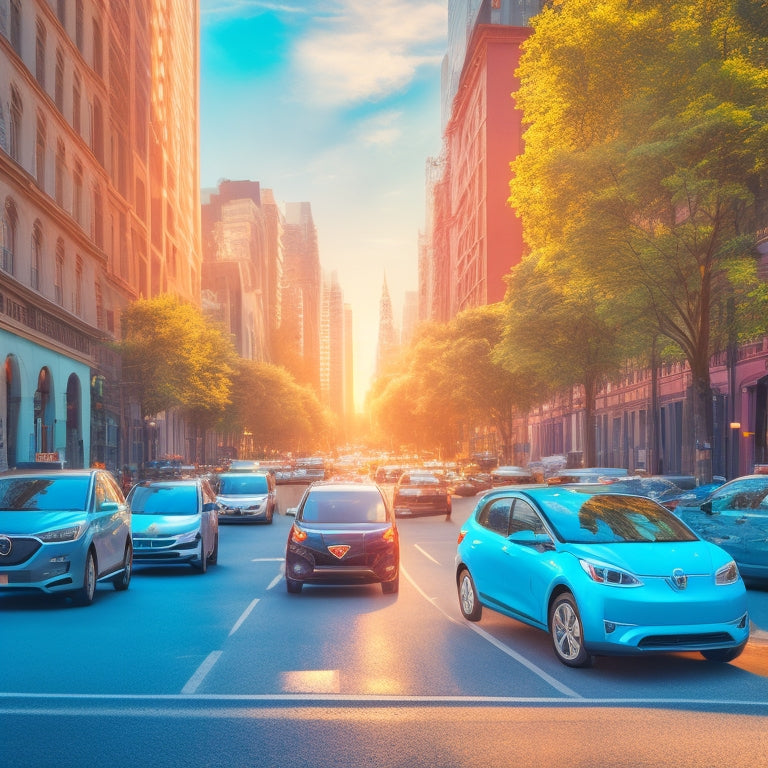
467 595
567 631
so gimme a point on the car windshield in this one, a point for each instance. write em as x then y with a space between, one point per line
163 499
240 486
364 506
44 494
611 519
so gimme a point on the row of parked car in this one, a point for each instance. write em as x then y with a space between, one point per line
66 530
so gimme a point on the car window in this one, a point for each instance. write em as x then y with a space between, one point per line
164 500
525 518
749 495
495 516
249 484
44 494
358 507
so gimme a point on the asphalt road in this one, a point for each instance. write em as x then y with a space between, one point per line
227 669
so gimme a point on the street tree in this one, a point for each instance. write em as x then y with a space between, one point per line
644 166
173 357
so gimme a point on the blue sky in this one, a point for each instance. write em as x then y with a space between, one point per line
335 102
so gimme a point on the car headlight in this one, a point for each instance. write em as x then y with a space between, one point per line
728 574
608 574
70 533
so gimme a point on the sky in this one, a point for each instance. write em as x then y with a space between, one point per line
336 103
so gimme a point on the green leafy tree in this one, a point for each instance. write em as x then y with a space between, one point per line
174 358
644 166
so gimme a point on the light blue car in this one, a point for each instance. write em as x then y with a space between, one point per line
601 573
61 531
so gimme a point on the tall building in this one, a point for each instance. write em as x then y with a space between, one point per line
242 260
475 236
300 316
332 346
388 343
410 316
100 206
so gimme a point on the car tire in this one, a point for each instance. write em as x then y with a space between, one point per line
293 586
567 632
723 655
85 594
123 579
213 559
469 602
201 562
391 587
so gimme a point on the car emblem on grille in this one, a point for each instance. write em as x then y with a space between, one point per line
339 550
679 579
6 545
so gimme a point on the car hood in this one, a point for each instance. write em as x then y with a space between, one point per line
160 525
656 558
241 499
26 523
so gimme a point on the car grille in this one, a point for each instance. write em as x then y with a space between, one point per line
22 550
687 640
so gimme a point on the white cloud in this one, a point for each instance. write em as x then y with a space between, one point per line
370 48
382 129
241 9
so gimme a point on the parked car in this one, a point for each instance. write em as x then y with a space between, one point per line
691 497
587 475
471 485
601 573
61 531
421 493
244 465
735 517
246 497
175 521
343 533
654 487
506 475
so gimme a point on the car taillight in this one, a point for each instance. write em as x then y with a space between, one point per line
297 534
462 534
390 534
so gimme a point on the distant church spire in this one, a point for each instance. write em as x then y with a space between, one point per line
387 334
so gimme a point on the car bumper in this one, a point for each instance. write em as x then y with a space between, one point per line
300 565
161 552
244 515
51 569
414 507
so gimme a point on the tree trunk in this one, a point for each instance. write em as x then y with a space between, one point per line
701 404
590 448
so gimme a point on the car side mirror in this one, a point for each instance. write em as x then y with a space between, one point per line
108 506
292 511
706 507
531 539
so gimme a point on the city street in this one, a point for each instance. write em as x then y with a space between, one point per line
228 669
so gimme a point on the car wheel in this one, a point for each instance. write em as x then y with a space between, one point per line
213 559
293 586
723 654
123 579
84 595
201 562
567 632
471 607
391 587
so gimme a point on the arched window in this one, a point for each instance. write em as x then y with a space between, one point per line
16 112
77 106
16 26
58 92
36 261
97 131
59 174
40 40
40 147
8 234
59 276
98 49
77 193
98 217
78 286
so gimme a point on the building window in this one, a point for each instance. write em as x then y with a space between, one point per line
76 105
99 305
10 219
58 95
40 153
15 127
58 283
97 132
98 218
79 25
78 297
77 193
98 50
40 54
61 12
37 257
16 26
58 180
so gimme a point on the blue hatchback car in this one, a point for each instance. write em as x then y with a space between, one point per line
601 573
